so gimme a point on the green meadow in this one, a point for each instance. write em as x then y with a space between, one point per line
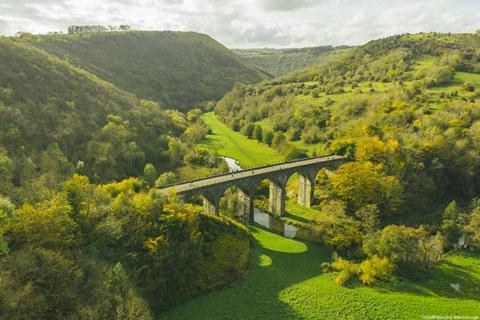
229 143
286 282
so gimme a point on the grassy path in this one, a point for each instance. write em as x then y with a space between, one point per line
232 144
286 283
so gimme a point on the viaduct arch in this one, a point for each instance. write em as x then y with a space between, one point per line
212 188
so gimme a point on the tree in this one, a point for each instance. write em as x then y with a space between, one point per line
431 248
369 216
339 231
472 228
451 228
399 244
293 153
257 133
363 183
165 178
248 130
7 209
6 174
279 141
267 137
150 174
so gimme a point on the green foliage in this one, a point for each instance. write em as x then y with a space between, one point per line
248 130
406 247
397 102
165 178
175 69
451 228
339 230
128 249
150 174
267 137
369 216
71 120
7 209
257 133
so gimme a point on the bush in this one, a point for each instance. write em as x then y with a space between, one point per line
326 267
257 133
342 278
374 269
165 179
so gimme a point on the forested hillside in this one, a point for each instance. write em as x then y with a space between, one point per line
404 107
83 233
279 62
175 69
57 119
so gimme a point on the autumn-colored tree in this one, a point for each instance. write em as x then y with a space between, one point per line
364 183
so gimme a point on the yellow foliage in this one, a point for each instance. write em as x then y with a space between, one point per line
370 149
344 265
153 244
374 269
47 224
457 123
342 278
142 202
129 184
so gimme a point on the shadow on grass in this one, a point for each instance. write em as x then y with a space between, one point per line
277 264
438 282
296 218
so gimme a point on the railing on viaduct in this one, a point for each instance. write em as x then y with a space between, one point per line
212 188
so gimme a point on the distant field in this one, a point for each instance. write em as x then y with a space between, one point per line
286 283
229 143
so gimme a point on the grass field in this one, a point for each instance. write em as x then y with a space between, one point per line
229 143
286 283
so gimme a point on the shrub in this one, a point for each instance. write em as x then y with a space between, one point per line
326 267
165 179
342 278
374 269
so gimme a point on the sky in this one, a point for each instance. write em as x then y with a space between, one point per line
251 23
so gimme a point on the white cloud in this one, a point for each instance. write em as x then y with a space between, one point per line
251 23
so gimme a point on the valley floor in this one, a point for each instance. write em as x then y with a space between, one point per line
286 283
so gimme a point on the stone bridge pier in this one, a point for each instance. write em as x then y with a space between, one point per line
212 188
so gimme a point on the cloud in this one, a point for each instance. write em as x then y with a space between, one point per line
251 23
3 27
287 5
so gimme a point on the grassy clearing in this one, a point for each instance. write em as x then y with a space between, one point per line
229 143
286 283
461 77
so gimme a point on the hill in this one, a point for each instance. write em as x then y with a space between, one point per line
56 118
406 103
279 62
175 69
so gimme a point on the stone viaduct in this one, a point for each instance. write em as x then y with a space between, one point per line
212 188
